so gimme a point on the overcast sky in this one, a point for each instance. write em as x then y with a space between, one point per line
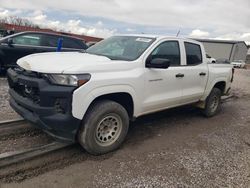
221 19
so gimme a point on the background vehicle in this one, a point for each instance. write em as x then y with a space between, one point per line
210 59
89 44
239 63
222 61
19 45
90 97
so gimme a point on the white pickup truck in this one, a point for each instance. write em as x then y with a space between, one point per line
90 97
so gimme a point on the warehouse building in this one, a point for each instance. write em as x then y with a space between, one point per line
226 49
248 56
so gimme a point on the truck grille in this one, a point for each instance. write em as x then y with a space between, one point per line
25 88
26 91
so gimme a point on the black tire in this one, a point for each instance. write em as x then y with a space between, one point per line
1 68
94 135
213 103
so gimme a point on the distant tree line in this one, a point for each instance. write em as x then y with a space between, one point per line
15 20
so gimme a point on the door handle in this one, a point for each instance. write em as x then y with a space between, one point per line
202 74
179 75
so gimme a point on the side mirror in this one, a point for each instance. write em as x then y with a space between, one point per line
158 63
10 41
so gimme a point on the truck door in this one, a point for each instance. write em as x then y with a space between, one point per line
163 86
195 73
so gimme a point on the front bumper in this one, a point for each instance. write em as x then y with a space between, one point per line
48 106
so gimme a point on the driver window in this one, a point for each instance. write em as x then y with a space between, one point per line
168 50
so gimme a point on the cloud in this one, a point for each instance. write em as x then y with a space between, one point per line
130 30
99 23
169 13
236 36
4 13
211 18
199 34
38 16
72 26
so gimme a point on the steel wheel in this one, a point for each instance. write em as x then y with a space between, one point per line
214 103
108 130
104 127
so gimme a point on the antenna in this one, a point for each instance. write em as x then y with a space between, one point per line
178 33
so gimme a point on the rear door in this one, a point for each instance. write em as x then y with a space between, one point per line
195 72
71 44
49 43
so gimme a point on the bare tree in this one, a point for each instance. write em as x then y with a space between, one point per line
3 20
18 21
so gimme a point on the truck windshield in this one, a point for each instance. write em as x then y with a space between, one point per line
121 47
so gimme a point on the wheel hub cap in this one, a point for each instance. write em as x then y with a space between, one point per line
108 130
215 103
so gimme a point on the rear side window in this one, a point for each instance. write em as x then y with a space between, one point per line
168 50
50 40
73 43
28 39
193 53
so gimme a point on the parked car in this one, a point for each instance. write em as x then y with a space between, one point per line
89 44
238 63
19 45
223 61
90 97
210 59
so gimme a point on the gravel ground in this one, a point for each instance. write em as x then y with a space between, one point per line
174 148
24 140
6 111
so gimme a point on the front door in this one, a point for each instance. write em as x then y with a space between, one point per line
163 87
21 46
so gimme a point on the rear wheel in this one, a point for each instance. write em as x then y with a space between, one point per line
213 103
104 127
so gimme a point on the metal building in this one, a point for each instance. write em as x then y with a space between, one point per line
227 49
248 56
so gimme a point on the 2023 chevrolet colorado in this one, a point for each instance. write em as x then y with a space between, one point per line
91 96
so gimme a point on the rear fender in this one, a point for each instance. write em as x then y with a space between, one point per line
211 86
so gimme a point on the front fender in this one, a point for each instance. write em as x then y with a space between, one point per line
82 99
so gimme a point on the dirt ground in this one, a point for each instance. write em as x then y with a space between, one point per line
174 148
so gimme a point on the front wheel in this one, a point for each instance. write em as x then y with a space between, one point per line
213 103
104 127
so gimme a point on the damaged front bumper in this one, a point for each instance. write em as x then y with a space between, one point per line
48 106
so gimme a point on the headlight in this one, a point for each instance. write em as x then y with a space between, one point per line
68 80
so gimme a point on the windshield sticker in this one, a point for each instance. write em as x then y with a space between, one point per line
143 40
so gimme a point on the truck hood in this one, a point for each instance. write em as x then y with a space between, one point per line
66 62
